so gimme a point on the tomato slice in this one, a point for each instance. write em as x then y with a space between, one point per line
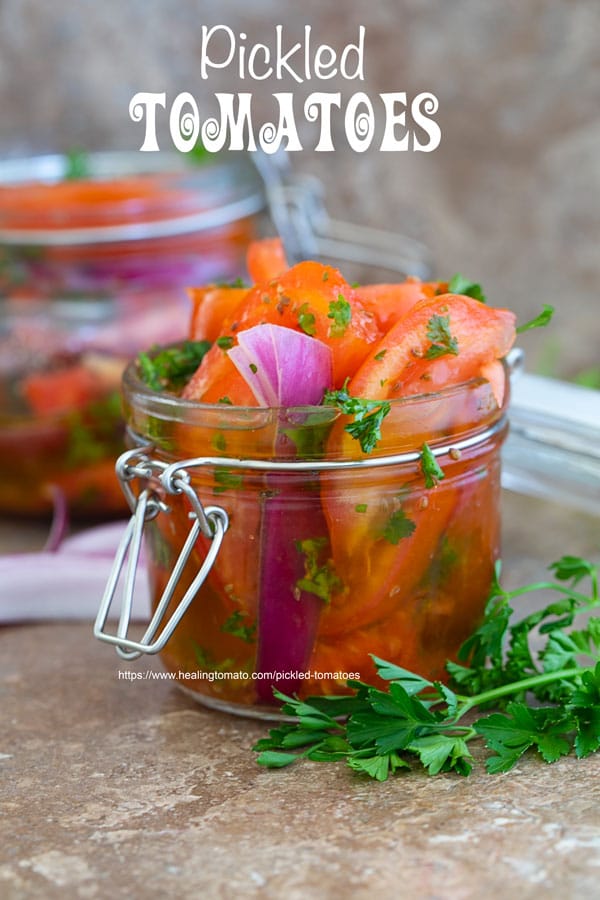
211 306
308 297
391 302
440 342
382 546
442 592
49 393
266 260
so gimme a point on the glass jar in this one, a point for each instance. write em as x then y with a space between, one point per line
94 262
280 555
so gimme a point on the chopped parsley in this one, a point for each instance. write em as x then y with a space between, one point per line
320 577
368 416
95 432
218 441
458 284
398 526
379 356
361 507
438 332
207 662
234 625
170 369
225 342
341 313
237 283
77 165
306 320
430 467
540 320
226 480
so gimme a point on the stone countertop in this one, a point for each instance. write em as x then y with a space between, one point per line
118 788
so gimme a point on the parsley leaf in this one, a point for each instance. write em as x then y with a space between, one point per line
443 753
416 720
368 416
438 332
341 313
234 625
511 734
398 526
430 467
458 284
77 165
226 480
540 320
320 577
170 369
306 320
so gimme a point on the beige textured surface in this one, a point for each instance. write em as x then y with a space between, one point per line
121 789
111 788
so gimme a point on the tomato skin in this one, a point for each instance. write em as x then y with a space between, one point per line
266 260
391 302
218 379
378 573
300 299
399 366
48 393
210 307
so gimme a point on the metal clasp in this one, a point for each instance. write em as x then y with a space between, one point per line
211 521
297 208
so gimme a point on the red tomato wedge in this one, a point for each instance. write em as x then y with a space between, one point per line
84 202
309 297
380 551
391 302
211 306
48 393
440 342
266 260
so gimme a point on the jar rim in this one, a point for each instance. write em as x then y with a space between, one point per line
172 408
187 197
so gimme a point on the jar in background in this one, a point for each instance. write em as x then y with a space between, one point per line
94 262
330 554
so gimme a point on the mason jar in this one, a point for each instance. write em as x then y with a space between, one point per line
283 557
96 252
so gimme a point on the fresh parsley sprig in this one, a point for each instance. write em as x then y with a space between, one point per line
170 369
379 732
341 313
442 342
458 284
540 321
368 416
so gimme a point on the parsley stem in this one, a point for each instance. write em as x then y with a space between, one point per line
550 586
516 686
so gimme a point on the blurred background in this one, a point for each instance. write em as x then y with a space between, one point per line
510 198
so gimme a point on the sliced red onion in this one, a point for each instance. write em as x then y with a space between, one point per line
67 583
284 368
60 521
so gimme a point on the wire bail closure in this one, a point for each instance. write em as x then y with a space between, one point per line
210 521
